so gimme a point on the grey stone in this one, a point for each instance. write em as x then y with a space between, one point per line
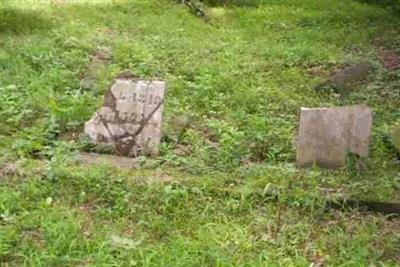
344 79
115 161
326 135
130 118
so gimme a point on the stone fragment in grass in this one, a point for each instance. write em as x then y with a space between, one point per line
130 118
326 135
114 161
344 79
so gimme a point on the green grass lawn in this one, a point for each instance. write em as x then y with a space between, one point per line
236 197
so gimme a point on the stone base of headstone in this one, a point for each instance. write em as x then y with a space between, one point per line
326 135
111 160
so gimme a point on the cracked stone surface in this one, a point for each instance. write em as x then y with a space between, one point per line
326 135
130 118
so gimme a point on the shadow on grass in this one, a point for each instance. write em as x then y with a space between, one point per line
393 5
14 21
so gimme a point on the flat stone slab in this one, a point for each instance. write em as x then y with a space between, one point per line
130 118
100 159
326 135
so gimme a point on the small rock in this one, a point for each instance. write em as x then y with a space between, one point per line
342 80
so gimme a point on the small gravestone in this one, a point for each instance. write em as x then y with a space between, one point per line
326 135
130 118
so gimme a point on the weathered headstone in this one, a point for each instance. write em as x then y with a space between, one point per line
326 135
130 118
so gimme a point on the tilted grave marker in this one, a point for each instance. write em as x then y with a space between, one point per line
326 135
130 118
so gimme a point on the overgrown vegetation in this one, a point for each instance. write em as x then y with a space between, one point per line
229 193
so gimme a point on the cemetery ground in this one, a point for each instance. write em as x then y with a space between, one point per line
225 189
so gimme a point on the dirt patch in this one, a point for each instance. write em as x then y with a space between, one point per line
390 228
389 59
316 71
71 135
12 169
183 150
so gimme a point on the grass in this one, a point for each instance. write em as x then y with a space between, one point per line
236 198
